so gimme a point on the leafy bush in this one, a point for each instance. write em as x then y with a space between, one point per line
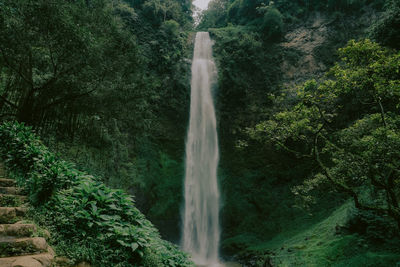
89 220
374 228
387 29
272 25
41 172
355 146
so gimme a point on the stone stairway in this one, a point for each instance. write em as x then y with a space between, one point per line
18 245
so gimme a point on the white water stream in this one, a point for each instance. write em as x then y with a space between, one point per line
201 232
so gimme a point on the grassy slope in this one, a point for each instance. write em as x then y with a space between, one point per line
325 244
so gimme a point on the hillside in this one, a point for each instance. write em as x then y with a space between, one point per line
260 79
125 132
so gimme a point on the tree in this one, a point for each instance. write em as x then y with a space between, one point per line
387 29
357 153
272 23
53 55
215 15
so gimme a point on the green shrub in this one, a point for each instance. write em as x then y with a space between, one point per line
40 171
272 25
89 220
387 29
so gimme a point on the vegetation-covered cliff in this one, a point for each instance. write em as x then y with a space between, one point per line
295 153
106 84
307 106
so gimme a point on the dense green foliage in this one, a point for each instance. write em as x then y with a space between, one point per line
248 75
350 125
89 221
387 29
332 241
258 13
105 83
269 173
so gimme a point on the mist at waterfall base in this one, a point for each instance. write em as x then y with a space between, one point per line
201 231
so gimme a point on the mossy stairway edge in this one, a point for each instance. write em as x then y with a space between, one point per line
19 247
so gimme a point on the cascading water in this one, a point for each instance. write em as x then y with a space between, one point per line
201 231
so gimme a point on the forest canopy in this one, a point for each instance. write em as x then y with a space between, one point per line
307 103
349 124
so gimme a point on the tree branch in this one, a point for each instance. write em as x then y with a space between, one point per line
382 112
13 68
344 188
7 114
5 100
67 98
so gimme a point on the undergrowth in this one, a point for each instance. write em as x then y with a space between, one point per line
331 241
88 220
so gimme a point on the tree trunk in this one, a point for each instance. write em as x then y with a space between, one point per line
26 109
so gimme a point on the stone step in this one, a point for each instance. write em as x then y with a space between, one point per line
4 182
11 190
13 246
17 229
11 214
7 200
39 260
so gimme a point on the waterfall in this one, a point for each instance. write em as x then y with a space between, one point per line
201 231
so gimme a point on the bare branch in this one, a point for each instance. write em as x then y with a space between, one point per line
14 69
5 100
344 188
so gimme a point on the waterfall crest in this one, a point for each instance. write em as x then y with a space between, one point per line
201 232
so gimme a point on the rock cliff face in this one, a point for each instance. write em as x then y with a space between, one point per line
316 42
305 39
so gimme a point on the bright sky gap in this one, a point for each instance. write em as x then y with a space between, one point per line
202 4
